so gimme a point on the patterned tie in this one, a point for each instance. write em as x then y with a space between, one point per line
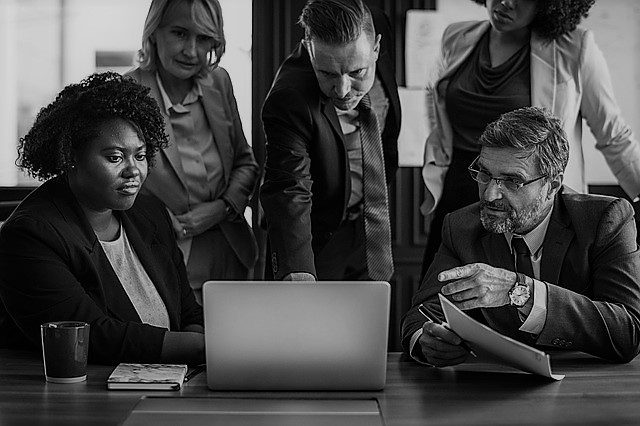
377 226
523 256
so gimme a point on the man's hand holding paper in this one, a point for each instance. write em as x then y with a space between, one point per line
441 346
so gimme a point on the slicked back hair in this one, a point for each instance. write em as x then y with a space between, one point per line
336 22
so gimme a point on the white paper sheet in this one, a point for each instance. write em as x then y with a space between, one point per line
507 350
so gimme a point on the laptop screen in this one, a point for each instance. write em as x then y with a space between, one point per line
264 335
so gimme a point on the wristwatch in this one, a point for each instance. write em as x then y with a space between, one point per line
519 293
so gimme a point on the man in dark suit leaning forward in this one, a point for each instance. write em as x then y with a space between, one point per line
533 260
328 163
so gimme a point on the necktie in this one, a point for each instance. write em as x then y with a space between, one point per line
377 226
523 256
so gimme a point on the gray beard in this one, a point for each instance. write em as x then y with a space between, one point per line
497 225
516 223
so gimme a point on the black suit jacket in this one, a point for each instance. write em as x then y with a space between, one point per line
307 182
590 262
53 268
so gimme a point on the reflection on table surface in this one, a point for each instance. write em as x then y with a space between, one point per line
594 392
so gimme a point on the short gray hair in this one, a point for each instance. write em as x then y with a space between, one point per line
336 22
534 131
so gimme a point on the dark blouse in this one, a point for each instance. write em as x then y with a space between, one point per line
478 93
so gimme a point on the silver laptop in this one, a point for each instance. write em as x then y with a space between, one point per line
266 335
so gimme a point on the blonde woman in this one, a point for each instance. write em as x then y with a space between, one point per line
208 173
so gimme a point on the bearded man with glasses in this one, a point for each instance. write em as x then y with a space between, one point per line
533 260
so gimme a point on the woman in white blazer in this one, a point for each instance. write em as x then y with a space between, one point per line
527 53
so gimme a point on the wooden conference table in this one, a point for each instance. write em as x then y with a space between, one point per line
594 392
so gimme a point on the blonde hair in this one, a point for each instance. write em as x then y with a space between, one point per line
207 16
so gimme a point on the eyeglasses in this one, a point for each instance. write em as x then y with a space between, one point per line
508 183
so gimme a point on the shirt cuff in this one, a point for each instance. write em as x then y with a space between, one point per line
536 319
412 343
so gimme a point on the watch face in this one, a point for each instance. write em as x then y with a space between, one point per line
519 295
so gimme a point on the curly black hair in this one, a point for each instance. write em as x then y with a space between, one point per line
76 115
557 17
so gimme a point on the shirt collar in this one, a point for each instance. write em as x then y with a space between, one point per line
194 94
533 238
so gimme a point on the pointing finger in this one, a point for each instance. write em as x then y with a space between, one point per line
456 273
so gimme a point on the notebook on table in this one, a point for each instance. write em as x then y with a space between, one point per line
277 335
147 376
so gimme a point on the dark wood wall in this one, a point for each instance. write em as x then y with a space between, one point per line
275 33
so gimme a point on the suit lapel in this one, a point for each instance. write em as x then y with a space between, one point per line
142 236
385 70
463 47
213 103
170 152
330 114
119 305
543 70
556 243
329 111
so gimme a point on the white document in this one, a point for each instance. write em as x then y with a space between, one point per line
507 350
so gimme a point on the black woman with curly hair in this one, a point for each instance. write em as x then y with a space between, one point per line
528 53
85 246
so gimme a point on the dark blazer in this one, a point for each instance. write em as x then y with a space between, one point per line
590 262
53 268
167 179
307 182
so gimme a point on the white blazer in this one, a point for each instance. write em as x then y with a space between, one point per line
569 77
